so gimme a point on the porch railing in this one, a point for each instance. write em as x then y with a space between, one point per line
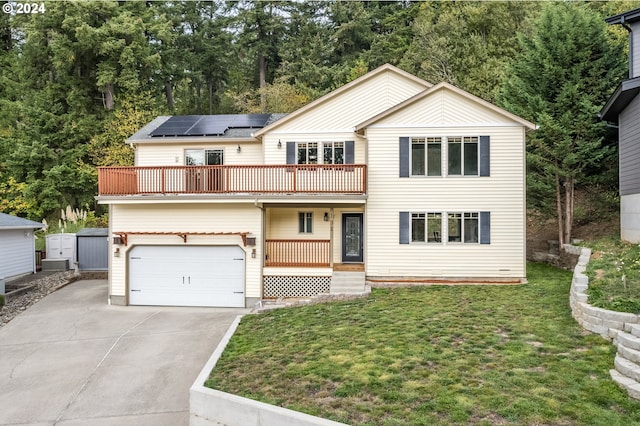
306 253
290 178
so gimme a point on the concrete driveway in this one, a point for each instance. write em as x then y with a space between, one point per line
72 360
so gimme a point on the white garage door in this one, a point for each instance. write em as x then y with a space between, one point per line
186 276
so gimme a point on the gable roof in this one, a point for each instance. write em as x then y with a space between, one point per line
445 86
623 95
335 93
13 222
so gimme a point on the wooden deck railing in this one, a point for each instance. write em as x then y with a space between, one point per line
297 253
293 178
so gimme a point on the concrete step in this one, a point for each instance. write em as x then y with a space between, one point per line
628 340
347 282
627 368
631 386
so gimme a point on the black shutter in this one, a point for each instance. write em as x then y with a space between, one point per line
404 157
485 157
291 153
349 156
485 227
404 227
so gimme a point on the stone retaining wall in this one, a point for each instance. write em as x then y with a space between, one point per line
622 328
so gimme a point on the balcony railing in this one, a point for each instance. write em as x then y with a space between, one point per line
297 253
290 178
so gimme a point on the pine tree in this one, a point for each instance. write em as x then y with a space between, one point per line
564 74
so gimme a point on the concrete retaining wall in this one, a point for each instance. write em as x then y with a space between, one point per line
210 407
622 328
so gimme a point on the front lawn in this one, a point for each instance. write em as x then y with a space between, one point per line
432 355
614 275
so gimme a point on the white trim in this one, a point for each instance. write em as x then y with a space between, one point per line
315 131
441 126
236 199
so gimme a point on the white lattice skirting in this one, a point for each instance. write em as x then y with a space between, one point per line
297 286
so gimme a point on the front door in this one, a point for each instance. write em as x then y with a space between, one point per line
352 247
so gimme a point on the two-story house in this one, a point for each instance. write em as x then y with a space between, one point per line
387 178
623 108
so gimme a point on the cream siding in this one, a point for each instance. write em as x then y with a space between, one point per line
444 108
186 218
174 154
363 101
502 194
282 224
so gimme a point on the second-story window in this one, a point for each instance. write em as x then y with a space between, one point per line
426 157
463 156
307 152
204 157
333 153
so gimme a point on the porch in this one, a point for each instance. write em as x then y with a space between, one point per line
255 179
313 250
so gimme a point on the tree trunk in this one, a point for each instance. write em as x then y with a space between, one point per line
559 210
263 82
109 102
168 90
569 188
210 84
198 86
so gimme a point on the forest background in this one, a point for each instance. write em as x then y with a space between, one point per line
79 77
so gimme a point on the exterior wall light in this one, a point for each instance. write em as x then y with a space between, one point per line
238 149
279 144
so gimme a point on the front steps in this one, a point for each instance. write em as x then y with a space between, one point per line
627 362
347 282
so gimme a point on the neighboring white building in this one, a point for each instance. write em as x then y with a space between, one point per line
17 246
388 178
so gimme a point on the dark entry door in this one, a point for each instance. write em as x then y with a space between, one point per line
352 247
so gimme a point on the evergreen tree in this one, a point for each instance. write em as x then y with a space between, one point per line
564 74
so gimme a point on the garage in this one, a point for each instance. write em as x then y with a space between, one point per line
187 276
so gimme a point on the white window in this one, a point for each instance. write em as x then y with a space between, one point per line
426 227
305 222
463 227
463 156
202 157
307 152
426 156
333 153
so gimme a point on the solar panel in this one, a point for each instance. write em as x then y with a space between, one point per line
250 120
208 125
176 126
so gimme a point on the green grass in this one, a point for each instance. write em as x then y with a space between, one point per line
432 355
614 275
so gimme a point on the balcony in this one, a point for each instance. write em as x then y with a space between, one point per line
258 179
